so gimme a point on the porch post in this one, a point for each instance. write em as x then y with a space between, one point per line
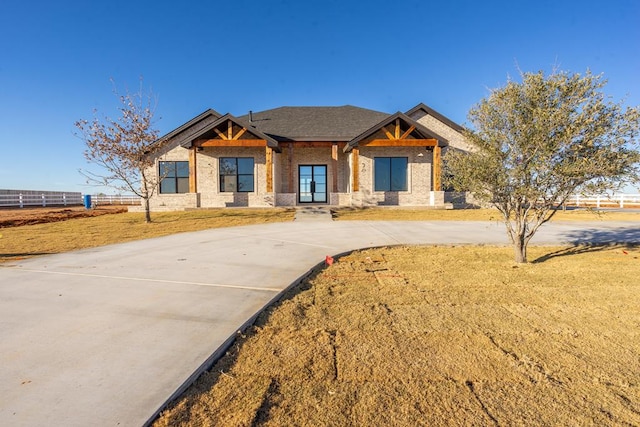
290 164
334 166
437 169
269 166
355 169
193 184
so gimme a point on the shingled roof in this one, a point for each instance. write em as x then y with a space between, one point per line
314 123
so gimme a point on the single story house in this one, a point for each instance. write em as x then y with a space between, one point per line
293 156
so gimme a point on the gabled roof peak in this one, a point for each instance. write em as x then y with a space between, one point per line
196 119
430 111
390 119
242 123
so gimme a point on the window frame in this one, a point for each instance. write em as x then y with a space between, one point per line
390 174
178 181
237 177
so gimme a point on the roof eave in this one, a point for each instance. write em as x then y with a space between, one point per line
271 142
442 142
430 111
188 124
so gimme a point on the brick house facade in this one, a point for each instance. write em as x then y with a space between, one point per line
292 156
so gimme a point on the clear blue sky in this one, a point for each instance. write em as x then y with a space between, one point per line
57 58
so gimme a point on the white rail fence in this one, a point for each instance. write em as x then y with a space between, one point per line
102 199
30 198
21 199
604 201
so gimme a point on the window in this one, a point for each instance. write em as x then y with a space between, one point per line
390 173
174 177
236 174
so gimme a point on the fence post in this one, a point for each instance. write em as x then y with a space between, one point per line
21 203
64 199
621 201
598 202
44 201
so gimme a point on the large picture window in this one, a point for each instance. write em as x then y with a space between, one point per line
174 177
390 173
236 174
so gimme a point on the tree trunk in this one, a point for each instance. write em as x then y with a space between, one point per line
147 211
520 249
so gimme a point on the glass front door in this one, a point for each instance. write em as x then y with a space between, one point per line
312 184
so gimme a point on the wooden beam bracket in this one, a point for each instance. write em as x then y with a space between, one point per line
269 168
355 169
402 143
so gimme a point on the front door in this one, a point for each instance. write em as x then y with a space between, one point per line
312 183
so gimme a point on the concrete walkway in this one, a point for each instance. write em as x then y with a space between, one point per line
105 336
313 213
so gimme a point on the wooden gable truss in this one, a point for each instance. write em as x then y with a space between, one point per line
229 131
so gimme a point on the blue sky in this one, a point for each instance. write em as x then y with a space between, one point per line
57 59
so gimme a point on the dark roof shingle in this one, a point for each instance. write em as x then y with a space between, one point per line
314 123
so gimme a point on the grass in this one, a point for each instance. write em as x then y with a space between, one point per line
438 335
417 214
64 236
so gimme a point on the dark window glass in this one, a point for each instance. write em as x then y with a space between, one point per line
182 169
398 174
245 183
236 174
382 172
228 166
390 173
245 166
174 177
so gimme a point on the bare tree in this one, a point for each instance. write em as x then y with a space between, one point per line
541 140
121 147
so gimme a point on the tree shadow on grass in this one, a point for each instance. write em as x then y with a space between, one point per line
596 240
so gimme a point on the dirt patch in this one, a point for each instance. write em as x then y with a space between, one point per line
29 216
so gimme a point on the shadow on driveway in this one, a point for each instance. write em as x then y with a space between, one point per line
596 239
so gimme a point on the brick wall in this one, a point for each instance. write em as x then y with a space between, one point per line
209 195
171 202
418 179
311 156
456 139
208 180
208 177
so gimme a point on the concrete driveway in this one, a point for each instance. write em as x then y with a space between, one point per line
105 336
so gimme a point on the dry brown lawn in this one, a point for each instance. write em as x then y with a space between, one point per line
79 233
28 216
435 336
417 214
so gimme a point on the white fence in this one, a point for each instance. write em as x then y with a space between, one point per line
29 198
605 201
102 199
21 199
